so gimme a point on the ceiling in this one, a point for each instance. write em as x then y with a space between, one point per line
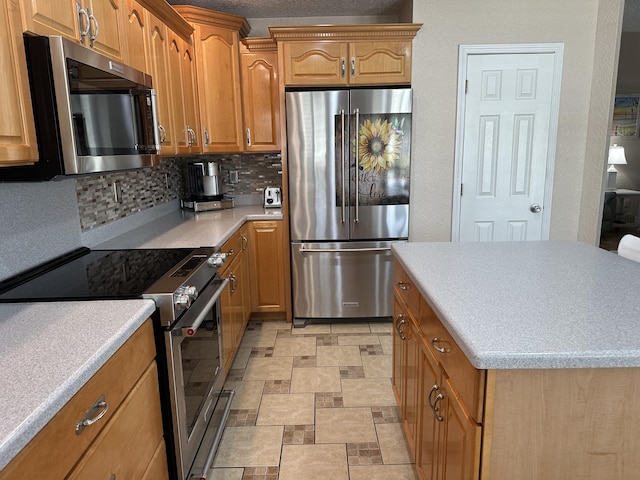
299 8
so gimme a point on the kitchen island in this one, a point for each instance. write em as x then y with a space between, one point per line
533 351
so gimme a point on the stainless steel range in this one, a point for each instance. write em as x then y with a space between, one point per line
186 289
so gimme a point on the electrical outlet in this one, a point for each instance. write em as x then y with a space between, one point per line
233 176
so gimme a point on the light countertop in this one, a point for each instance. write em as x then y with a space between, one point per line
531 304
185 229
48 352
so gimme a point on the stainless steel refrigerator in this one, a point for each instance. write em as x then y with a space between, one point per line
348 154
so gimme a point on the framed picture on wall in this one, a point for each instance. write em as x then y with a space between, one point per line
625 116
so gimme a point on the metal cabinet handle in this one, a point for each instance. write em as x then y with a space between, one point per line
91 417
234 282
163 134
435 388
439 349
434 407
230 252
404 286
399 328
248 137
343 67
245 242
93 35
353 66
205 134
83 13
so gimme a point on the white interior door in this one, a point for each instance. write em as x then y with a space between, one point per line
507 146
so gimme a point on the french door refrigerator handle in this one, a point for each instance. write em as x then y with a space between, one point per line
342 250
356 193
342 162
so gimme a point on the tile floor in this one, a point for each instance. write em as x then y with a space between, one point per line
313 403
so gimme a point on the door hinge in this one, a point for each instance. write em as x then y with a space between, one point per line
466 86
461 187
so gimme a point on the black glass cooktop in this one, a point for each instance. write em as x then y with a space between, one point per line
93 274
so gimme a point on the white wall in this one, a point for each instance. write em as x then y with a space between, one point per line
589 30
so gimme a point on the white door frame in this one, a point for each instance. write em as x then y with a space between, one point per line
557 49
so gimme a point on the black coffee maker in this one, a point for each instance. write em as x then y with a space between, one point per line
204 181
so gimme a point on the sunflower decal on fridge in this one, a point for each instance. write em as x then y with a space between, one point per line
381 158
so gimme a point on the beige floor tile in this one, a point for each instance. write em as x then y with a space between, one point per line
314 462
248 394
358 340
287 409
377 366
318 379
387 344
338 356
269 368
259 338
392 443
275 325
315 329
367 392
350 327
292 347
381 327
344 425
225 474
249 447
383 472
242 357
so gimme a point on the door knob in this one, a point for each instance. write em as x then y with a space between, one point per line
535 208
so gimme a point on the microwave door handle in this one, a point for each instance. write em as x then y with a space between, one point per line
157 139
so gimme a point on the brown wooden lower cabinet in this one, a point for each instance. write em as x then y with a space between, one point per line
535 424
123 442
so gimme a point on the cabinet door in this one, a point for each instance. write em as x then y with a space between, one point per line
315 63
190 98
427 441
219 82
51 17
17 132
111 38
459 456
136 31
372 63
158 57
174 55
398 378
267 272
260 101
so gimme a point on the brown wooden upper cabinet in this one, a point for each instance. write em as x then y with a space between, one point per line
218 76
98 24
260 94
18 144
333 55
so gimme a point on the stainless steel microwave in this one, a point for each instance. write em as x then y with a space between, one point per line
92 114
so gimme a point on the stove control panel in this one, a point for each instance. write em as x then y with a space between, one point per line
217 259
184 296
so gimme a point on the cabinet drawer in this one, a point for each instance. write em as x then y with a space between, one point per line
157 469
406 289
464 377
127 444
114 380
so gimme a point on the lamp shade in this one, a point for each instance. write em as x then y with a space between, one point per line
616 155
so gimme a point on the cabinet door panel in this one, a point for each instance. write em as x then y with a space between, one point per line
136 31
46 17
190 97
412 360
315 63
175 52
260 101
398 375
267 291
219 82
427 442
380 63
17 132
111 39
460 456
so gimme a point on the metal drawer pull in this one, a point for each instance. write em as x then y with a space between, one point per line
433 344
435 388
90 417
435 408
404 286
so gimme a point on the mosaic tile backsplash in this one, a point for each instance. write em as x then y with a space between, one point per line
149 187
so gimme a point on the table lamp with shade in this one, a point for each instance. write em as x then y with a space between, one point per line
616 157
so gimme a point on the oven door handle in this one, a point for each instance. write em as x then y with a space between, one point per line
188 326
